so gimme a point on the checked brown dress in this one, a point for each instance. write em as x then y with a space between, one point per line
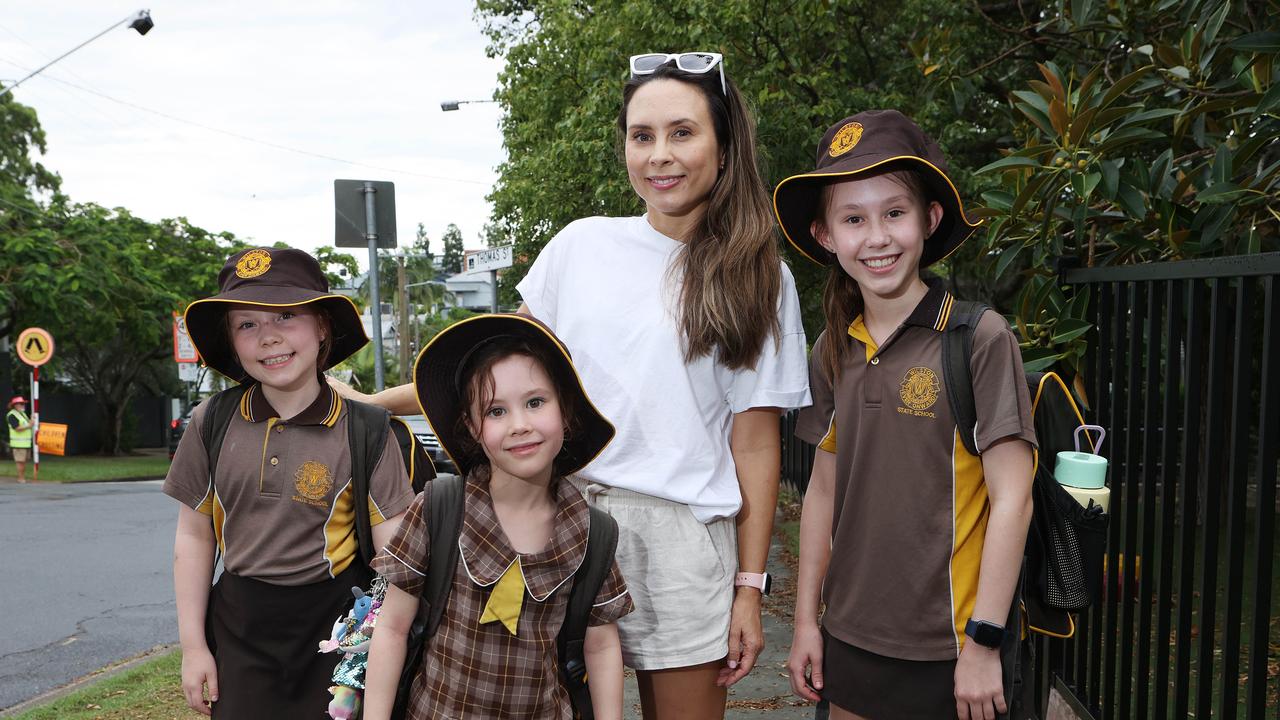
483 671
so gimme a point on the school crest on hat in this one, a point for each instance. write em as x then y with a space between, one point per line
845 140
253 263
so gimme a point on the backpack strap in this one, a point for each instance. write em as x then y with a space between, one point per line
217 416
367 433
445 503
416 461
602 541
445 525
957 348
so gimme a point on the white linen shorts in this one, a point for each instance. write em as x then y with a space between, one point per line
679 572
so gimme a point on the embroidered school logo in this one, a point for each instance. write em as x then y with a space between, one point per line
846 137
253 264
919 391
313 481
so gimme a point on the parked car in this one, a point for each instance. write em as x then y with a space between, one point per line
178 426
421 429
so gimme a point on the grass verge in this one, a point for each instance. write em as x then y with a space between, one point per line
149 691
86 468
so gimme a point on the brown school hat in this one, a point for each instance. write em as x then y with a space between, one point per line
871 142
270 278
436 380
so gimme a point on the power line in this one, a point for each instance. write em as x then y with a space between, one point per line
247 138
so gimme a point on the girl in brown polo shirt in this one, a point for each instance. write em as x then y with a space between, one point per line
280 508
505 401
913 545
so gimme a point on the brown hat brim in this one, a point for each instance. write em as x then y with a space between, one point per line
435 376
205 325
795 203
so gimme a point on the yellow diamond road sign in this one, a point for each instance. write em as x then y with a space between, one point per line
35 346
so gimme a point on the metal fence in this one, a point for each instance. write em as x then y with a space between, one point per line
1184 372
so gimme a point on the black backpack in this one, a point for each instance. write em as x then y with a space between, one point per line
1066 542
367 435
444 522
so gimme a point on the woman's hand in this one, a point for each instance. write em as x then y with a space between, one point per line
746 636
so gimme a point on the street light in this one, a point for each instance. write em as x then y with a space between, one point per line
140 21
448 105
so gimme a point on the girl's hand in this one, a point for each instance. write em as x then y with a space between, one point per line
199 670
805 662
979 684
746 636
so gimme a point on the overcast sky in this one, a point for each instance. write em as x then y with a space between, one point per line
360 82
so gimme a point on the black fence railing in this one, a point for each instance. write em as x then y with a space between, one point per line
797 455
1184 372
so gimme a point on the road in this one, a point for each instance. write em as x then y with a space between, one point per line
85 580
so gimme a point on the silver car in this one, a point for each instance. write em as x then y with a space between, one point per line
421 429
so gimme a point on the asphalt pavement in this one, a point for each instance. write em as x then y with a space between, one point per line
87 580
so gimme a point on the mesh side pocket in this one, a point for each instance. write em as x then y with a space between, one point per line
1065 547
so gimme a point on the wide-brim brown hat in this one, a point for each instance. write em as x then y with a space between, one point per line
871 143
437 382
271 278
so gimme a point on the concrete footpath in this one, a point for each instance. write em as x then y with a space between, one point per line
766 692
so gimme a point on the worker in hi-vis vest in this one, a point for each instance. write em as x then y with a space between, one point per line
20 434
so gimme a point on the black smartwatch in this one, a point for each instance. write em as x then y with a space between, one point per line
986 634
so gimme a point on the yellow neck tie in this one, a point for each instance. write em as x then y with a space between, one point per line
506 599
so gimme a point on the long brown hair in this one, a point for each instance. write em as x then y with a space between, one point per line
841 297
728 267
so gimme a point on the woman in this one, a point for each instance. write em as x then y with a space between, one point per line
685 327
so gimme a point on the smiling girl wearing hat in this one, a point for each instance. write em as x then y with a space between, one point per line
505 401
913 545
280 509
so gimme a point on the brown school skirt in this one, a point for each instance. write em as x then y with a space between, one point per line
264 637
884 688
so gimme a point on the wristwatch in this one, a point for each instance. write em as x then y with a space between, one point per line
986 634
760 581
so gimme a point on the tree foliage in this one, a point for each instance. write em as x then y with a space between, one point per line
1141 132
1126 131
451 259
105 284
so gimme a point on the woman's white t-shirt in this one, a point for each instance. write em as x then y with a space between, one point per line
602 284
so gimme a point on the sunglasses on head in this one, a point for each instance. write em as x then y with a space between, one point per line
690 62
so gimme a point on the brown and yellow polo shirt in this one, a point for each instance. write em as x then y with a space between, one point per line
474 669
282 505
910 508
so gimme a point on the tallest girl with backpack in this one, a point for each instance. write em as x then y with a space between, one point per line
913 544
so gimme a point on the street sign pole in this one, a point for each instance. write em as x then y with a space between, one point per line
351 199
371 234
493 282
35 423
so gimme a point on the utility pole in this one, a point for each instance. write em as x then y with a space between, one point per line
403 331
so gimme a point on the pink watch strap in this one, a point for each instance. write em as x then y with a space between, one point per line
755 580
